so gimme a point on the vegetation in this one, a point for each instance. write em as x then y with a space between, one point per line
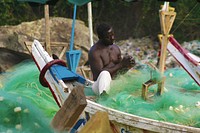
129 19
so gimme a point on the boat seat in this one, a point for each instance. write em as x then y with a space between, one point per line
65 74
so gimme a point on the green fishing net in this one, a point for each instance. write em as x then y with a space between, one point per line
25 106
180 102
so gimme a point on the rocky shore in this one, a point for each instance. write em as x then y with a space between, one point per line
12 38
146 50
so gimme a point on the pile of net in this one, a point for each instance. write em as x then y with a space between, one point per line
25 106
180 102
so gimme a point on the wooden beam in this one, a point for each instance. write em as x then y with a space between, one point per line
47 29
70 111
28 45
53 44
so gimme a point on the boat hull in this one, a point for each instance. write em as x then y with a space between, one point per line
124 122
187 60
132 123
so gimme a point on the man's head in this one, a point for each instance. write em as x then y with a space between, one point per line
105 33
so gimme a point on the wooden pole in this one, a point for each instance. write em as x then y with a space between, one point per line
166 20
89 5
47 29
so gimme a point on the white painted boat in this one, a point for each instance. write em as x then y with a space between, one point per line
189 61
123 122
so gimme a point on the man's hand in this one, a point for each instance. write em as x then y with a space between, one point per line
132 61
128 62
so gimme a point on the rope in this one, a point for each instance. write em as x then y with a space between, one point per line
185 18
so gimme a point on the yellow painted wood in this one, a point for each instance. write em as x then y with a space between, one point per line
166 21
99 123
70 111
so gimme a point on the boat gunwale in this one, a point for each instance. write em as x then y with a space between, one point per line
138 121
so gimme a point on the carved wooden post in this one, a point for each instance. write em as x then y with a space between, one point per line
167 16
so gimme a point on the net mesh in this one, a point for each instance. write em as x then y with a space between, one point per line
178 104
26 106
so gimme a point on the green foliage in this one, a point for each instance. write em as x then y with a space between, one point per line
129 19
13 12
187 22
62 9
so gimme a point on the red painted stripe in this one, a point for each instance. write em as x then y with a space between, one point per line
187 71
52 92
183 51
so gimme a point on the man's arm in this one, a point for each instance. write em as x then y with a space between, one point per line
119 65
96 64
122 67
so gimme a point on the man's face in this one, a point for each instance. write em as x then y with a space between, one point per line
109 38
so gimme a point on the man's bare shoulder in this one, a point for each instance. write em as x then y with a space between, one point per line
115 46
93 48
94 51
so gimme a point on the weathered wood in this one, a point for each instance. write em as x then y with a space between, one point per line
99 123
47 29
151 82
161 86
63 52
136 124
28 45
89 6
145 87
86 72
167 18
70 111
53 44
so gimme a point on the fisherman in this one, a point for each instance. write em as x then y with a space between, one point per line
105 60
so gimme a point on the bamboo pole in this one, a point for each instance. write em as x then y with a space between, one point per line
47 29
166 20
89 5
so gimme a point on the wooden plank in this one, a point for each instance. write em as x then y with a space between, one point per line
99 123
63 52
86 72
53 44
70 111
28 45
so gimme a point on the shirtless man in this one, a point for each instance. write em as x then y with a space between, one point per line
105 60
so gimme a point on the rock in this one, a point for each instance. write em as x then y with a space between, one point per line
143 49
146 50
9 58
13 37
